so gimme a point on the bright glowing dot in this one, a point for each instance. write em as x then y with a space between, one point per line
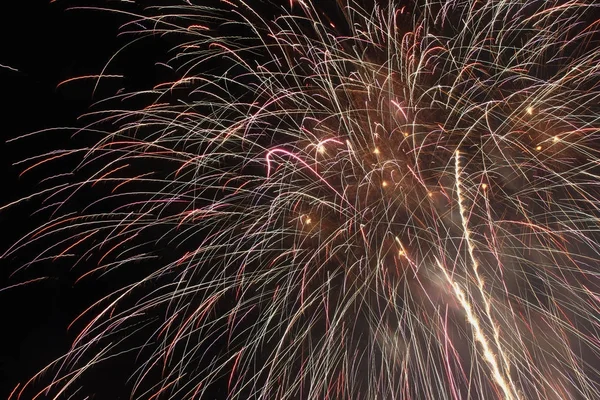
401 253
376 151
308 221
530 110
321 149
405 134
555 139
538 148
484 186
429 194
384 184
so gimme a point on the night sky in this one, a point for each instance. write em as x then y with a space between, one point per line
43 44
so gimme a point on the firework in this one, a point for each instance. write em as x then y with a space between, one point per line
392 200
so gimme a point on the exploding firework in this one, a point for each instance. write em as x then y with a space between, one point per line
395 200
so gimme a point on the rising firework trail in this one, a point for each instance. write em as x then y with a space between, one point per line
352 200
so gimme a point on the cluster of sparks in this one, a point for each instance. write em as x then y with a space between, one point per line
395 200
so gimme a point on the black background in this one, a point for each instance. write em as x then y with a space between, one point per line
41 45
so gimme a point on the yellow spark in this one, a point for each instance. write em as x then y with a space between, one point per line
538 148
530 110
321 149
376 151
384 183
401 252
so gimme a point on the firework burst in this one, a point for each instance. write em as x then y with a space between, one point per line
396 200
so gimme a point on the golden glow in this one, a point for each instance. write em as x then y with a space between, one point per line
321 149
530 110
484 186
376 151
384 183
538 148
